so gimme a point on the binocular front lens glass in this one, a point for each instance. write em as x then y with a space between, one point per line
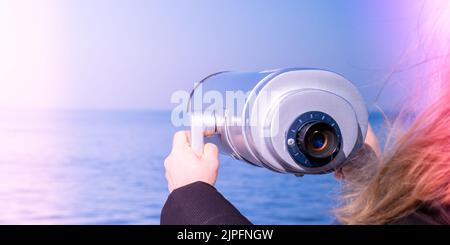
317 140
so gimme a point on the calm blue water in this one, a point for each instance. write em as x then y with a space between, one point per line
106 167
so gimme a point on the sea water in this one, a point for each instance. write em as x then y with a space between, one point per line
106 167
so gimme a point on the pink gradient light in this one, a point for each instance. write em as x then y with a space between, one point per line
31 47
434 40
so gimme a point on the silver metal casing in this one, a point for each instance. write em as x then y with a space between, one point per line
256 129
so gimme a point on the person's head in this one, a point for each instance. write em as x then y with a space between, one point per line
414 168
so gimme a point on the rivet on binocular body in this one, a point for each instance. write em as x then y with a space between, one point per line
290 141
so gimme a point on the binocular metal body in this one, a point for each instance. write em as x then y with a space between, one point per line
301 121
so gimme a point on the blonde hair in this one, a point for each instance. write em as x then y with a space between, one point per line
414 168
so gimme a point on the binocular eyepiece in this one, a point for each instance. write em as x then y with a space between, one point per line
301 121
318 141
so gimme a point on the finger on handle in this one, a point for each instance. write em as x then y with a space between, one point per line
197 134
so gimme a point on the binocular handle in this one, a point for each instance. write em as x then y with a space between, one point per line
202 125
197 132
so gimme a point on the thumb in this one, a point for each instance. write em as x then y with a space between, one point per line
210 153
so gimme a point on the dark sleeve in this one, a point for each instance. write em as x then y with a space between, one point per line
200 204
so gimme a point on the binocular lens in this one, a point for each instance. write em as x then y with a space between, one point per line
317 140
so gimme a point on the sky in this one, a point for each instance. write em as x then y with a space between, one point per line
112 54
